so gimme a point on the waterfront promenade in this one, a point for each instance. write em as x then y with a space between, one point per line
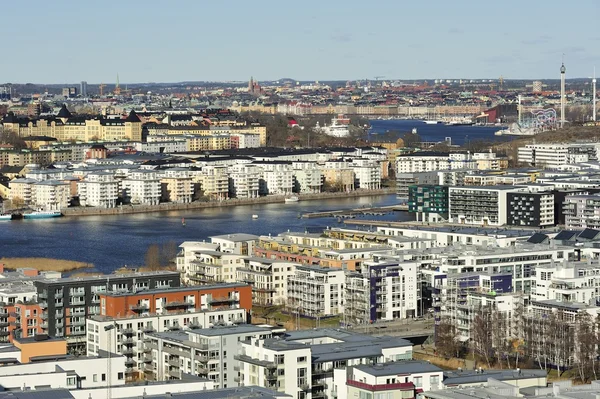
166 207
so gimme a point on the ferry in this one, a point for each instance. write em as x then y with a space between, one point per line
42 215
293 198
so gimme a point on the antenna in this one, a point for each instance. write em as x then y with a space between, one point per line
594 96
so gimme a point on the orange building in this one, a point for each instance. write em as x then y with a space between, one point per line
25 320
176 300
40 345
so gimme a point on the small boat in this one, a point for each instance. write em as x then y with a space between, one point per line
7 216
42 215
254 217
183 222
293 198
434 122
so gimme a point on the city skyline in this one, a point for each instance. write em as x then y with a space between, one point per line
319 41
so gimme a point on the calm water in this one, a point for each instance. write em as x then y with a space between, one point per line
459 134
110 242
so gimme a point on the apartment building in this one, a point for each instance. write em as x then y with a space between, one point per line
210 267
65 127
568 282
214 182
142 187
395 380
47 194
209 353
340 179
454 177
277 178
124 334
431 161
316 291
307 177
485 206
428 203
178 190
534 209
303 363
551 156
67 302
367 174
383 290
244 181
268 279
99 189
11 157
582 211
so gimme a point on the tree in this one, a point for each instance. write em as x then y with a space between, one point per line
168 254
585 346
481 331
152 257
446 339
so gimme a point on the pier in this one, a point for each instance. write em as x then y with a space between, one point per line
352 213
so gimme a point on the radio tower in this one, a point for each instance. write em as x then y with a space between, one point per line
594 96
563 70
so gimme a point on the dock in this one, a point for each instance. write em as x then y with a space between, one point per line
352 213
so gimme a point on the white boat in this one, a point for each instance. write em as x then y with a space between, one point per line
6 217
293 198
254 217
432 122
42 215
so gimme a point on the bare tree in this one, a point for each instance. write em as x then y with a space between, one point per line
481 331
585 345
168 253
446 339
152 257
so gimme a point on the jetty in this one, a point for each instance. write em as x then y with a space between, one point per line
352 213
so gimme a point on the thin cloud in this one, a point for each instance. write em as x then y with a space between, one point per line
342 37
543 39
455 31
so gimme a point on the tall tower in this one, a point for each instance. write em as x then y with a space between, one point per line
563 70
594 96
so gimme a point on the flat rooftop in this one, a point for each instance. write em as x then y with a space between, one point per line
175 289
395 368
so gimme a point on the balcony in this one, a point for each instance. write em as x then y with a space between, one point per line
148 358
130 352
178 304
130 362
149 368
128 332
43 305
174 362
129 341
139 308
174 373
256 362
148 329
222 300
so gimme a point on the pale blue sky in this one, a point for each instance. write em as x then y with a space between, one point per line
176 40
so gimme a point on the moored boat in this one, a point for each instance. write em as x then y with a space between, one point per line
42 215
7 216
293 198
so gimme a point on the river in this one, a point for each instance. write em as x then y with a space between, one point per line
459 134
110 242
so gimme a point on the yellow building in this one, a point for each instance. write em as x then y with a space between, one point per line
339 178
66 127
26 157
202 143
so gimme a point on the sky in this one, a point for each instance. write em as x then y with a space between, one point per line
66 41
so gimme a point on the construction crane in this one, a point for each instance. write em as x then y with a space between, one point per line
501 82
101 86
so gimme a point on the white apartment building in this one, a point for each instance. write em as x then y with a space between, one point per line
268 279
486 205
316 291
187 254
127 336
210 353
244 180
162 147
246 140
277 178
430 162
142 187
98 189
302 363
237 243
395 380
367 174
382 290
21 190
551 156
572 282
308 180
582 211
177 189
209 267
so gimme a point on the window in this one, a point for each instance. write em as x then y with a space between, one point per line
103 377
120 376
71 381
434 381
95 377
301 359
418 381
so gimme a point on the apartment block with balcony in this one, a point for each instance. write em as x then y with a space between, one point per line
126 337
316 291
244 181
214 182
268 279
209 353
582 211
67 302
303 364
367 174
99 189
178 190
384 290
485 205
142 187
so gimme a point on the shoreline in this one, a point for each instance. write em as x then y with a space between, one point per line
167 207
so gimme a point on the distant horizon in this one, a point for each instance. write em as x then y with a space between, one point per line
296 80
150 41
